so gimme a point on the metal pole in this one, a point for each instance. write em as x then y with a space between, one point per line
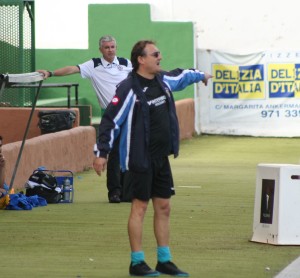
24 137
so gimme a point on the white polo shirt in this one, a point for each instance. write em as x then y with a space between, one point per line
105 76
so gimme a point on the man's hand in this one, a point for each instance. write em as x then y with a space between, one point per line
2 160
99 165
206 78
45 73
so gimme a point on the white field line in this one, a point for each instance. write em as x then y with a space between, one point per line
291 271
189 186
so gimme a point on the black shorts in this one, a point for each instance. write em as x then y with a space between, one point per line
156 182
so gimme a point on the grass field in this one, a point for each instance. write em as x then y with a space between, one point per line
211 221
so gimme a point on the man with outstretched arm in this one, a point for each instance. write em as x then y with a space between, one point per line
143 115
105 73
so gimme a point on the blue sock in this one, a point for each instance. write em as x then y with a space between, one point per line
137 257
163 254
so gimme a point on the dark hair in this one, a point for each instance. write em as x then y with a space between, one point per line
138 50
1 138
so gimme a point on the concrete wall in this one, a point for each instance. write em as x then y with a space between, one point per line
72 149
65 150
13 122
232 25
186 117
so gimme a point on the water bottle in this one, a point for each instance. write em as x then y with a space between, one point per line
67 190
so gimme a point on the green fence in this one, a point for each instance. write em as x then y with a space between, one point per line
17 47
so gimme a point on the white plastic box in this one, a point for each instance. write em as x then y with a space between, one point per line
277 204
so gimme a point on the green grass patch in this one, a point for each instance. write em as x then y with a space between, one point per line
211 219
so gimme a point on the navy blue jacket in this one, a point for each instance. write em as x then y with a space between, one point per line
127 116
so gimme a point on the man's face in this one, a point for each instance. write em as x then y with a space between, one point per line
151 59
108 50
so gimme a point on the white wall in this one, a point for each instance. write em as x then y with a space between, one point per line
64 23
233 25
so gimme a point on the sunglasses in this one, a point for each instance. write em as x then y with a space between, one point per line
155 54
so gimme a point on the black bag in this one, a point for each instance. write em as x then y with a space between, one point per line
51 196
44 185
52 121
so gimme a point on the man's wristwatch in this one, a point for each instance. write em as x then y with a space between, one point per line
51 73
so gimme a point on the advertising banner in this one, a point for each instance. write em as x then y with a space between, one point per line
256 94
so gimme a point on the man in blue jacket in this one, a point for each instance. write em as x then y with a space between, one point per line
143 115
